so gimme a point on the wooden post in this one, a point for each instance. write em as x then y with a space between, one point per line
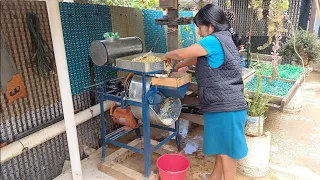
65 88
312 17
173 31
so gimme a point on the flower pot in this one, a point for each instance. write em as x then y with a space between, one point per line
254 126
296 103
256 163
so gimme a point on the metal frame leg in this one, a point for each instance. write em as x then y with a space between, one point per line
177 135
138 133
146 130
103 129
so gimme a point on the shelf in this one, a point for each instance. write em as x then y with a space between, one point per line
167 23
177 22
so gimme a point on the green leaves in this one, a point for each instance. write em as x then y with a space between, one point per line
275 20
306 44
285 4
142 4
258 105
255 4
111 35
228 4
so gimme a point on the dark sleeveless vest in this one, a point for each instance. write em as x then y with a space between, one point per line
221 89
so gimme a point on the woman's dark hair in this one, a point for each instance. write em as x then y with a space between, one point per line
215 16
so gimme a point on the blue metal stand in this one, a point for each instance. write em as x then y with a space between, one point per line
112 137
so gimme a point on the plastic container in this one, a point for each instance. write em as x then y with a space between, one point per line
173 167
243 64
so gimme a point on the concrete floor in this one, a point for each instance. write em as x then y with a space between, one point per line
295 143
89 169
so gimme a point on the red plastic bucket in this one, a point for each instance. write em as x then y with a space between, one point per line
173 167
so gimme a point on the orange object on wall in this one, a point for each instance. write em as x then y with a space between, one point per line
15 89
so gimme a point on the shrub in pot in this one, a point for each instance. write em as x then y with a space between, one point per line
257 106
306 44
256 163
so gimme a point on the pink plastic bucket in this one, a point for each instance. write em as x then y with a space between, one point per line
173 167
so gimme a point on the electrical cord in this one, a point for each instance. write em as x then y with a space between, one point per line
41 57
156 42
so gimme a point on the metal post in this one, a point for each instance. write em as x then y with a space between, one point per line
65 88
248 49
177 134
146 130
103 129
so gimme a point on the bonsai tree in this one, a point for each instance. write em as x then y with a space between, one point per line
276 17
306 44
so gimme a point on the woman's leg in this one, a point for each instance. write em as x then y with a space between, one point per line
216 174
229 167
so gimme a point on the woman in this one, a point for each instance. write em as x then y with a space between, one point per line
220 90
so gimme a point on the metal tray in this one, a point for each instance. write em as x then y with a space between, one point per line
126 63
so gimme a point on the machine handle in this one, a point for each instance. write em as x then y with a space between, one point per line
126 79
124 84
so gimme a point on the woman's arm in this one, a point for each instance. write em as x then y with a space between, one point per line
180 54
186 62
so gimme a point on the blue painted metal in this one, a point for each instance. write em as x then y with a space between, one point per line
173 91
112 134
119 134
167 139
155 99
146 129
123 103
138 133
118 99
177 135
112 137
103 129
152 90
125 146
163 128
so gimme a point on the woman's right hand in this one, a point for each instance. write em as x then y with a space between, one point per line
180 68
177 67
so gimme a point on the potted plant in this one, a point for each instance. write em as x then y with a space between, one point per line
256 163
111 36
257 106
306 44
